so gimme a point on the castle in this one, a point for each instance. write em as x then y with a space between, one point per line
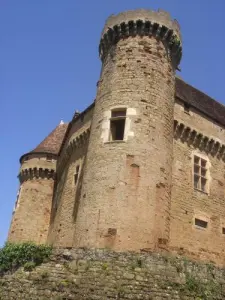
142 168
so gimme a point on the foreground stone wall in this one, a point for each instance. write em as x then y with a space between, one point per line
102 274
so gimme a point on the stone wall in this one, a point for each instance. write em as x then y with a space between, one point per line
66 200
66 197
125 195
33 205
187 203
102 274
30 221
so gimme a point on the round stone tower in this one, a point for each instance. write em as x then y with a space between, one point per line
31 216
125 198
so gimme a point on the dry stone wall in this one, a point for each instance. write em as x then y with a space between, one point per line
102 274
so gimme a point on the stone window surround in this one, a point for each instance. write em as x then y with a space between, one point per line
106 123
203 217
208 166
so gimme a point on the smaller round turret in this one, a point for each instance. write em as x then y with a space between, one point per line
31 217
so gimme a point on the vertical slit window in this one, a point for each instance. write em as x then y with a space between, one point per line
186 108
76 175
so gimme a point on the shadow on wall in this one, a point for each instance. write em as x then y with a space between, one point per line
67 193
78 191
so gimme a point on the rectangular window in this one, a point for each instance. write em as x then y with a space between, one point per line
223 230
117 124
200 174
76 175
201 223
49 157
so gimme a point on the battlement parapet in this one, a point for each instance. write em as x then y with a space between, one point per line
161 17
199 140
35 173
144 23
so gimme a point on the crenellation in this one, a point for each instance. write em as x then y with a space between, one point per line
142 28
191 136
159 16
29 174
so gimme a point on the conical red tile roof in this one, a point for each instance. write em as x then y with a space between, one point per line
52 143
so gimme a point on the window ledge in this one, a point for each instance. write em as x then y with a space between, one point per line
206 193
199 227
115 142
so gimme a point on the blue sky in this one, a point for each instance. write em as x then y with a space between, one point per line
49 67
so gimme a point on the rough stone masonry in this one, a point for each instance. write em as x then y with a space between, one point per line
103 274
142 168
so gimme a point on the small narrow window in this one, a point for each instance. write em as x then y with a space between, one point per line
117 124
223 230
49 157
201 223
200 174
76 175
186 108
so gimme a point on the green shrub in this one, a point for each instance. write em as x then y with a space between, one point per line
29 266
13 256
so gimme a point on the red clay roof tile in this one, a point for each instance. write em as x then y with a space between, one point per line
52 143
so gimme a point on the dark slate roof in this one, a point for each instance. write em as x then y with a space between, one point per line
200 101
185 92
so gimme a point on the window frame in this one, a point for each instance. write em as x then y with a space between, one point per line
115 118
200 173
198 221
